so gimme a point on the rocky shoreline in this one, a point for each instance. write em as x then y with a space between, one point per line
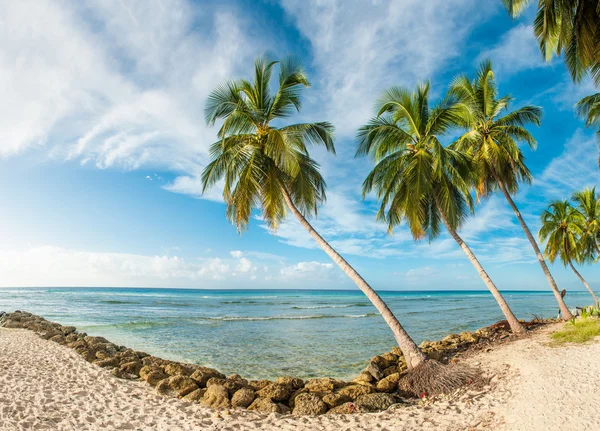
374 389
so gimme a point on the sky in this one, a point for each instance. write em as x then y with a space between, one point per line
103 139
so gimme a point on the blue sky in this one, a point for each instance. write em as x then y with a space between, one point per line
102 141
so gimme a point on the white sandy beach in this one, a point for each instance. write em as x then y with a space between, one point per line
46 386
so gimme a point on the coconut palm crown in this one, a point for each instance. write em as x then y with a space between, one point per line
589 109
562 228
569 27
257 160
588 205
415 177
494 132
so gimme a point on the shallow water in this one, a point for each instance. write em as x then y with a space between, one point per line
267 333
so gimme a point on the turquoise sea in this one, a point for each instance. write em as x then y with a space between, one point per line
267 333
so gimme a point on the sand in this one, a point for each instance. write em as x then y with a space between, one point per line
45 386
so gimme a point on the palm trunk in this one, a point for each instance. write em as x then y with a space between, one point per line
564 310
512 320
587 286
411 351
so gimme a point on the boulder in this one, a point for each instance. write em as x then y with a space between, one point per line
60 339
344 409
257 385
203 374
392 358
154 377
293 382
389 383
275 392
392 369
309 404
132 367
68 329
355 391
375 402
234 383
436 355
396 351
365 376
177 369
88 354
195 396
334 400
117 372
178 386
216 396
375 370
469 337
264 405
294 395
243 397
324 384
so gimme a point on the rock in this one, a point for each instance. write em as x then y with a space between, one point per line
178 386
132 367
275 392
154 377
375 402
257 385
469 337
216 396
396 351
88 354
243 397
117 372
436 355
203 374
195 396
294 395
344 409
234 383
309 404
71 338
392 358
293 382
60 339
334 400
375 370
264 405
283 409
365 376
177 369
355 391
95 340
389 384
68 329
324 384
392 369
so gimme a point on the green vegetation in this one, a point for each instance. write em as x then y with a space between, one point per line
416 177
578 331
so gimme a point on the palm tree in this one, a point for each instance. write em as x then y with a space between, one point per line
492 140
269 167
571 27
415 177
562 227
589 108
589 206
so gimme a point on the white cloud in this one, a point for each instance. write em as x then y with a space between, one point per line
48 266
574 169
518 50
362 47
309 271
113 83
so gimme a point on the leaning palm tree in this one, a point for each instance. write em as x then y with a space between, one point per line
562 228
492 140
416 178
569 27
588 205
269 167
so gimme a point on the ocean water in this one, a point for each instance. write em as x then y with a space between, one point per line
268 333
